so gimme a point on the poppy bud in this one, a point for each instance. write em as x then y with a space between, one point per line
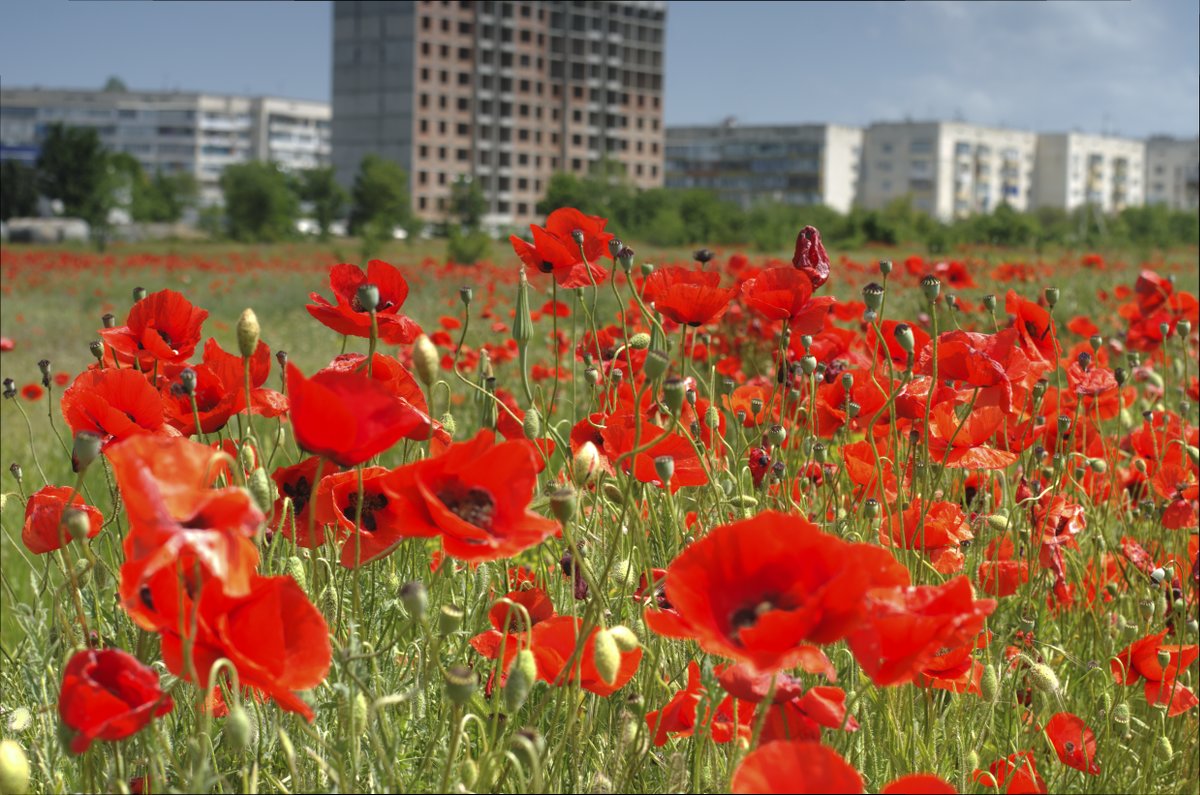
187 381
14 769
873 296
522 330
248 332
460 684
97 350
261 489
1183 328
664 467
1051 294
528 747
702 256
425 360
465 294
626 640
931 286
904 336
85 450
647 269
1043 678
606 655
1098 465
563 505
656 364
532 424
989 683
1039 388
521 678
672 392
239 729
1163 748
448 423
639 341
585 463
10 388
998 522
415 598
885 266
138 294
712 417
450 619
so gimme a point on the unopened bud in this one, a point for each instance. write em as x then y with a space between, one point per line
639 341
585 464
1051 294
76 523
607 656
563 505
14 769
450 619
261 488
664 467
1043 678
425 360
521 678
532 424
248 332
989 683
238 728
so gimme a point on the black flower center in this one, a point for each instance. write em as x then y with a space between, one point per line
371 504
473 504
546 267
747 616
299 493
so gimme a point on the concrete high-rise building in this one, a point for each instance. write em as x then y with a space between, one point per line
798 164
950 169
1173 172
502 93
1075 169
173 131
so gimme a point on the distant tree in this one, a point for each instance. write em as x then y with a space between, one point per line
467 202
18 190
161 198
115 84
171 195
73 167
328 198
379 199
259 204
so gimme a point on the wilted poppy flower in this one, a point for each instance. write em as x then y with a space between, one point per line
680 717
786 294
349 316
108 695
163 326
1073 741
554 643
346 416
687 296
1016 775
274 636
810 257
475 496
756 590
555 250
795 766
44 530
115 404
905 628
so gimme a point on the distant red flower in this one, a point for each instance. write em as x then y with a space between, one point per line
786 294
163 326
618 436
1016 775
116 404
108 695
32 392
688 296
346 416
810 257
795 767
756 590
348 316
1073 741
962 443
44 531
905 628
554 643
475 496
555 251
6 344
939 528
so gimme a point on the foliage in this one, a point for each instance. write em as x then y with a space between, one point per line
73 167
161 198
259 204
18 190
319 187
379 198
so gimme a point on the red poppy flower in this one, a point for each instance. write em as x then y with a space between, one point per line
108 695
554 644
687 296
6 344
381 519
44 530
619 433
1038 335
274 636
1141 659
961 443
400 382
215 403
116 404
349 317
32 392
555 251
475 496
756 590
905 628
810 257
178 524
1073 741
955 669
299 483
163 326
795 767
939 528
346 416
918 784
509 629
680 717
786 294
1015 775
230 370
992 362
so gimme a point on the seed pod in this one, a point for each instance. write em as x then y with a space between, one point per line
607 656
664 467
1163 748
521 678
14 769
563 505
468 772
1120 713
460 684
248 332
656 364
85 450
450 619
76 523
931 286
415 598
1051 294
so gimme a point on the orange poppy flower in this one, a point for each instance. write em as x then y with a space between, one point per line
44 530
349 317
756 590
795 767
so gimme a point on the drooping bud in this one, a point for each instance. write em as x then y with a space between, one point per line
14 769
261 488
532 424
1043 678
989 683
425 360
238 728
248 332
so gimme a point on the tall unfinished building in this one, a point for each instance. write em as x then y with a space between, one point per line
503 93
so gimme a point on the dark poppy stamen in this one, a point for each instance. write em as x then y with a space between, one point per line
746 617
371 504
299 493
474 505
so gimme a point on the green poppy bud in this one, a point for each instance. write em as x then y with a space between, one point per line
606 655
248 332
14 769
425 360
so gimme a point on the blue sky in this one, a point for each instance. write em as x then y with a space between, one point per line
1131 68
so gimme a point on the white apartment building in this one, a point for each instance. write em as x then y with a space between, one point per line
173 131
799 164
1173 172
950 169
1074 169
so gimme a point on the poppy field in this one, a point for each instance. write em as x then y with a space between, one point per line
585 519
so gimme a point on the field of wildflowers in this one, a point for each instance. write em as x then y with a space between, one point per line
574 522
